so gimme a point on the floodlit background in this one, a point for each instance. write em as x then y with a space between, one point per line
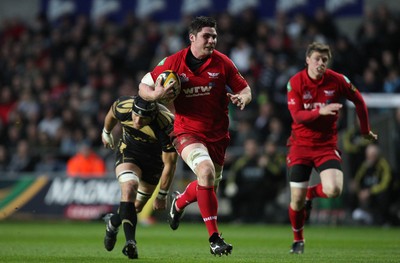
63 62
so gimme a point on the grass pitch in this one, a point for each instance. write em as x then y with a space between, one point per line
83 242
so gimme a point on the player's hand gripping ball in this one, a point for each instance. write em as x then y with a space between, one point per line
165 78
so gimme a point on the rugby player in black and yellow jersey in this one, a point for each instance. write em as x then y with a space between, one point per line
145 156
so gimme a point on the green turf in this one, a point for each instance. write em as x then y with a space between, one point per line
83 242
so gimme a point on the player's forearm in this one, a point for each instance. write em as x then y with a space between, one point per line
362 114
304 116
165 181
361 110
168 172
245 95
110 121
146 92
167 177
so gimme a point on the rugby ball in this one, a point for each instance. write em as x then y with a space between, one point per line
165 78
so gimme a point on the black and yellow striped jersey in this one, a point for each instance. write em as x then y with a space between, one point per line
152 138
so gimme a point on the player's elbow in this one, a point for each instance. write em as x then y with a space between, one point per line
144 91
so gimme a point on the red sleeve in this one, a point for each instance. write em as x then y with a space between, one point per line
295 105
163 65
355 96
171 62
304 116
235 80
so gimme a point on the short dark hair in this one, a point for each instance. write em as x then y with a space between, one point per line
201 21
143 107
319 47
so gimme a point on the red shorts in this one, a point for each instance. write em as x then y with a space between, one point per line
215 149
311 156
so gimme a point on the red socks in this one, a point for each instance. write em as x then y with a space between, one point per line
208 205
315 191
206 200
187 197
297 219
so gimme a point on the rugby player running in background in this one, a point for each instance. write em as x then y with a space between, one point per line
314 101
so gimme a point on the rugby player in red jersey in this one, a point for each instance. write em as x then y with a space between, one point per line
315 97
201 133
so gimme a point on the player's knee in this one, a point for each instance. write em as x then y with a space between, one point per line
298 195
297 202
332 191
198 160
128 192
206 174
129 183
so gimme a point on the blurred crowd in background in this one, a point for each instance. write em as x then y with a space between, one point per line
58 80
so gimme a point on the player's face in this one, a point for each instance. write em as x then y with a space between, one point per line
140 121
203 43
317 64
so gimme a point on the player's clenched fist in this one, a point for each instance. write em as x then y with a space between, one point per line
108 139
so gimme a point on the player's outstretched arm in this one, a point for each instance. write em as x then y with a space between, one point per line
167 176
106 136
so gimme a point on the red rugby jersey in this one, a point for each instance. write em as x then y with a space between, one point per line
202 105
306 96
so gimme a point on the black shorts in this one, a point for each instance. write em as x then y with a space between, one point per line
150 164
302 173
